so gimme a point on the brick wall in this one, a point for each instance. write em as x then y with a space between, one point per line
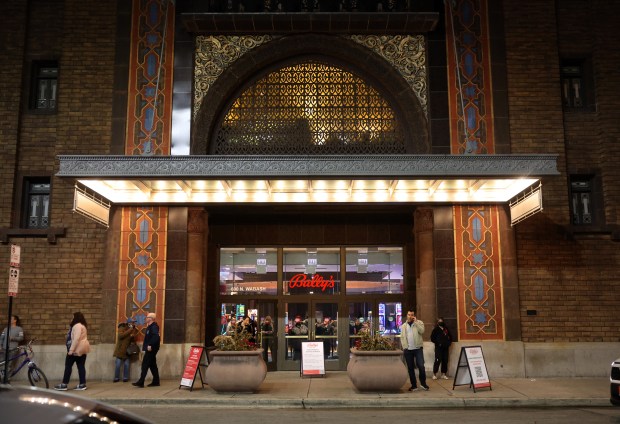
570 281
12 40
58 279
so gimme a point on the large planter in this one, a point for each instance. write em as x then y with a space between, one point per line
236 371
377 370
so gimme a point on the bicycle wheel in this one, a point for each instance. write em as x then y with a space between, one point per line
37 377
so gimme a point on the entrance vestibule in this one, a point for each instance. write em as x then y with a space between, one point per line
329 294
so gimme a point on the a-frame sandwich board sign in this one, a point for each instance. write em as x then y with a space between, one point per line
472 369
197 358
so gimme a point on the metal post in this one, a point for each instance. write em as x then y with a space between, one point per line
6 343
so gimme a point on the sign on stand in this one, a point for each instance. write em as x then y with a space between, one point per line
14 270
472 369
312 359
197 358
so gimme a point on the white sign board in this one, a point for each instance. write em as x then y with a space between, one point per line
16 252
13 281
477 367
312 359
526 206
471 369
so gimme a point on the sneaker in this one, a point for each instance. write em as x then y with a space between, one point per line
61 386
425 387
445 377
413 389
116 380
434 377
80 387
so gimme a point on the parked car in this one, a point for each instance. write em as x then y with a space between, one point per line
615 382
33 405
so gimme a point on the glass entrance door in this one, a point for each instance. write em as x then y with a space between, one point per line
311 320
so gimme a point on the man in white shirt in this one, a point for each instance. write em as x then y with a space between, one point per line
411 340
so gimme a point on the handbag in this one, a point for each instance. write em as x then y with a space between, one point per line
133 349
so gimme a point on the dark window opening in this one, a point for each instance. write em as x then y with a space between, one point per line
582 200
577 84
44 86
36 209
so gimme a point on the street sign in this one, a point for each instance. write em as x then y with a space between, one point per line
15 255
13 281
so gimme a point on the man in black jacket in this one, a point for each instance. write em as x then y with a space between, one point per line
150 348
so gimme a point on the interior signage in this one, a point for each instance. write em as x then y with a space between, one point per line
316 282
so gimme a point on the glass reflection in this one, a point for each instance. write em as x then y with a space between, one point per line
374 270
248 271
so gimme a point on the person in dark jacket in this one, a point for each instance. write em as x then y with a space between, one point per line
126 332
150 347
442 339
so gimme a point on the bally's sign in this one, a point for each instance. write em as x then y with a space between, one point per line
301 281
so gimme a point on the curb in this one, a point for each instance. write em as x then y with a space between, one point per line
327 403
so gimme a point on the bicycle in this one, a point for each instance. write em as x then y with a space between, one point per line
36 377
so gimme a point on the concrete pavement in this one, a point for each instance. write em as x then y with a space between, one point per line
334 390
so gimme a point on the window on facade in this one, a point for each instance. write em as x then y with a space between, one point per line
310 108
576 85
248 271
44 85
311 270
37 203
374 270
581 195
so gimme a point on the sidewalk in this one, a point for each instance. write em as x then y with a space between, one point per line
289 390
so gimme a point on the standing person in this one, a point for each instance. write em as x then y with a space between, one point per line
16 335
442 339
266 330
324 329
150 347
231 327
411 340
299 329
125 334
77 349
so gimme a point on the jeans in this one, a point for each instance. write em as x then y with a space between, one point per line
80 361
117 369
412 358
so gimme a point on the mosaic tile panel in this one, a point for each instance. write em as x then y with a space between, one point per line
476 229
478 273
469 77
142 273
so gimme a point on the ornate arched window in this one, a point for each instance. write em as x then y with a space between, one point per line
309 108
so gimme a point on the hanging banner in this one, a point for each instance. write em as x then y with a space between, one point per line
472 369
197 358
312 359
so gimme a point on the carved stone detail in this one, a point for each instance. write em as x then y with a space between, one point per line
407 54
214 54
362 166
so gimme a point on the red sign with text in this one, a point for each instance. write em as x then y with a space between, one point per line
191 367
316 282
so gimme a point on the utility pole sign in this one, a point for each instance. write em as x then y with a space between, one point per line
14 270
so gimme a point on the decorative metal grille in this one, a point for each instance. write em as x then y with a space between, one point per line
310 108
